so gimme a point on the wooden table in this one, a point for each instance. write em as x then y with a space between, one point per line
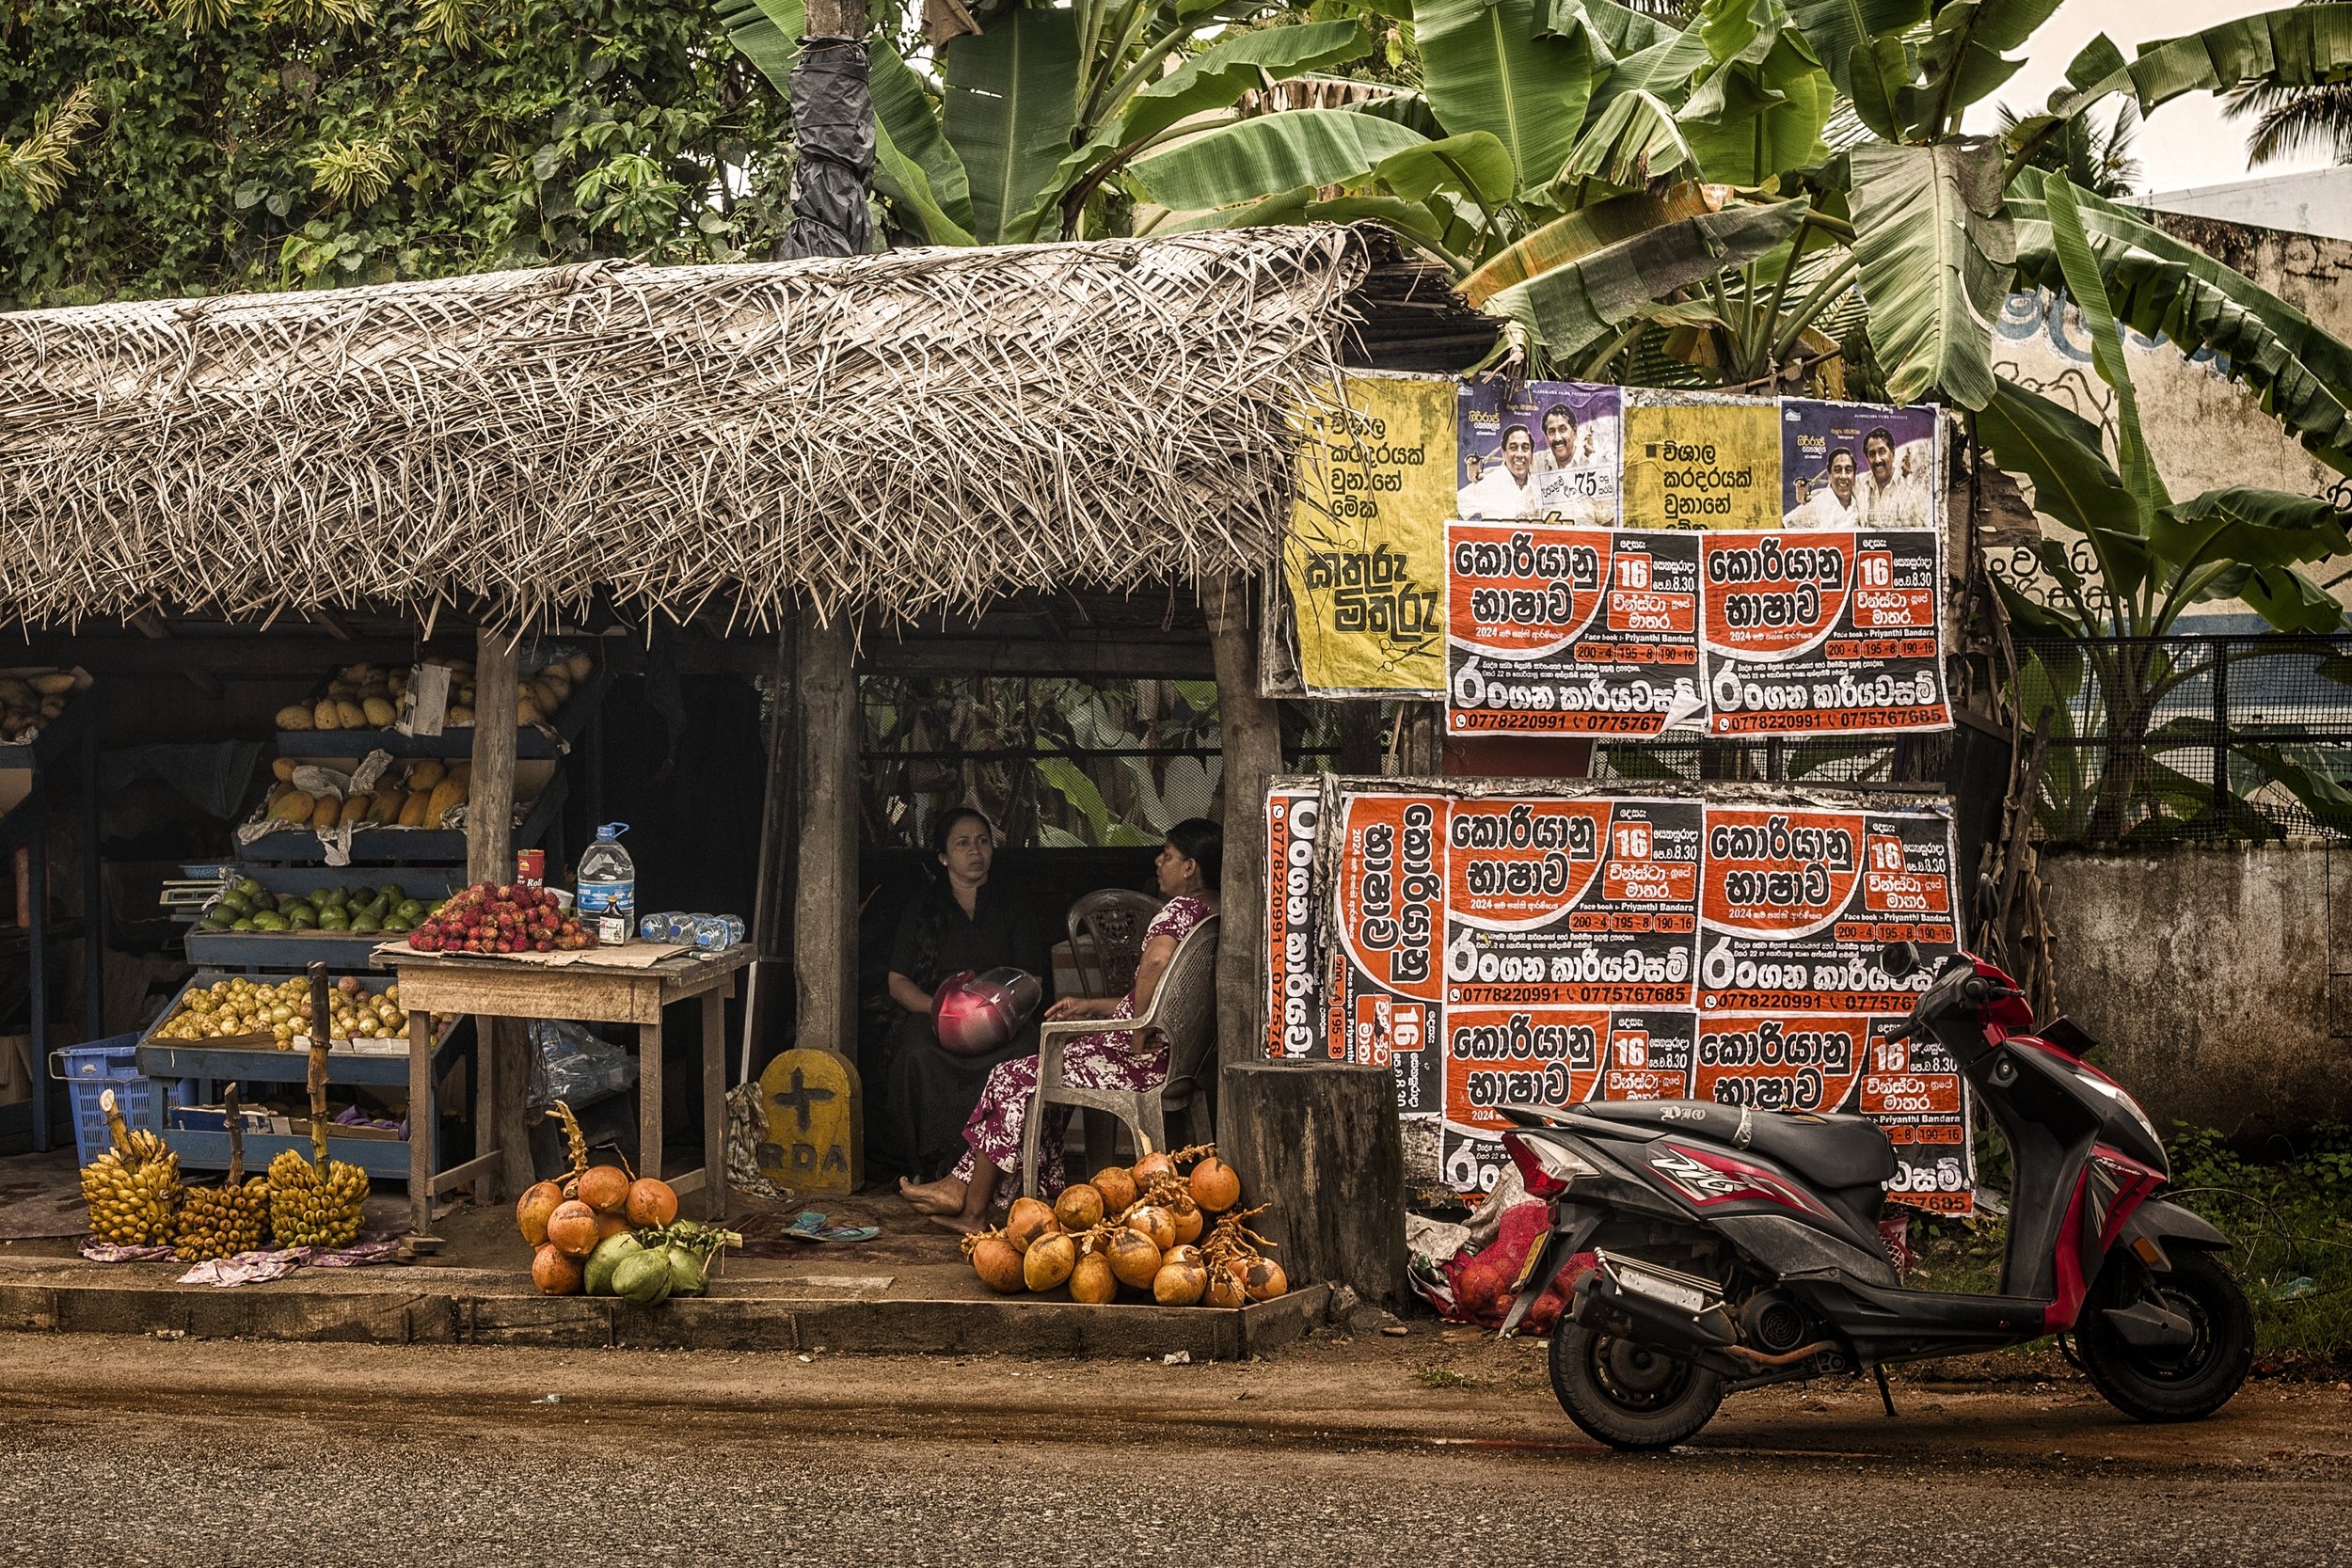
588 991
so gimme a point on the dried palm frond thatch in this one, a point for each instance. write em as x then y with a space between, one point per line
915 431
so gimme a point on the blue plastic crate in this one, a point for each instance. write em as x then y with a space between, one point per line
89 1071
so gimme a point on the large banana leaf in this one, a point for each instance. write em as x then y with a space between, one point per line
1579 235
2059 450
1617 30
1217 76
1630 143
1936 257
2286 598
1255 157
915 167
1760 109
2081 271
1013 99
1964 57
1475 164
1484 67
2163 287
1835 28
767 33
2305 46
1568 308
2259 528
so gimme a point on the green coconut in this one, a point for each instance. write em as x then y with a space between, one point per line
687 1275
610 1254
643 1278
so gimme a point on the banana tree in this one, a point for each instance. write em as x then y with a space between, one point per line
2156 558
1736 194
1022 131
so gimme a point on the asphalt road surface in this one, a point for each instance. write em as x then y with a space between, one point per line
1432 1450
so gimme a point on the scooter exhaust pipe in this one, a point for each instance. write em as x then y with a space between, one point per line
1604 1305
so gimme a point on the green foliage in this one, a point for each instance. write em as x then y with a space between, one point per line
2291 1220
316 142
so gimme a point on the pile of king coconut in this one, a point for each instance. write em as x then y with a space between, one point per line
1153 1228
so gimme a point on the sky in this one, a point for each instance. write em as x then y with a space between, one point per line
2185 143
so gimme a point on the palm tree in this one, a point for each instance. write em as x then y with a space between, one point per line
2097 160
2292 120
2288 120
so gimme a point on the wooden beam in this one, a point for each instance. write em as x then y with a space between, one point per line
1252 742
490 857
825 906
1079 656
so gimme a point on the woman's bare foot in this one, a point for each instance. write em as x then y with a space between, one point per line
962 1225
943 1196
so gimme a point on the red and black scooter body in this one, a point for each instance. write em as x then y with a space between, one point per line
1778 1212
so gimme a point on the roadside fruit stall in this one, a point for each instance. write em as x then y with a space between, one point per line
545 966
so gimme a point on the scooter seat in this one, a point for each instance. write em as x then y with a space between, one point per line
1837 1151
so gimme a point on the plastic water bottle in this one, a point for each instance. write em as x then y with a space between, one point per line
605 887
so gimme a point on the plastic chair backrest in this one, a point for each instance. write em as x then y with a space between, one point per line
1184 1006
1106 938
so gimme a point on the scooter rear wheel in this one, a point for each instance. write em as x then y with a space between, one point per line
2184 1384
1629 1395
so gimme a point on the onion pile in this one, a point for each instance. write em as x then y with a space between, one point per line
1152 1231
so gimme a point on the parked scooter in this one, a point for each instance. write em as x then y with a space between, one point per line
1708 1248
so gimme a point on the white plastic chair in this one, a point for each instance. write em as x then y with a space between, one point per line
1184 1008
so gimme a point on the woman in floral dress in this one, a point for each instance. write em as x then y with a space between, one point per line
1189 866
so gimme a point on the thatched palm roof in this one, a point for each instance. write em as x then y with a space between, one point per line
913 431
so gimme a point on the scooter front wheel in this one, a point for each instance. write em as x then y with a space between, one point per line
1629 1395
2174 1384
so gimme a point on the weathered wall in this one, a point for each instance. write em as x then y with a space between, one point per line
2204 975
2204 429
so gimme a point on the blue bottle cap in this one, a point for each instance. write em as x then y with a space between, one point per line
612 829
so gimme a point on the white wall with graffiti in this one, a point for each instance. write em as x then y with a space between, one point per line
2206 430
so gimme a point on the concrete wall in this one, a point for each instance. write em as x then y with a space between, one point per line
2204 974
2204 429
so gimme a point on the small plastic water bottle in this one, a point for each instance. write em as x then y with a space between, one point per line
605 887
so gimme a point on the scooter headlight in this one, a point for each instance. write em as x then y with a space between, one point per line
1545 1168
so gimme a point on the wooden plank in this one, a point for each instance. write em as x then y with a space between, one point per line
825 906
518 992
419 1120
715 1103
649 1097
486 1164
1252 744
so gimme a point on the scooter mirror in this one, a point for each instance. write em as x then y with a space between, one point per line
1898 958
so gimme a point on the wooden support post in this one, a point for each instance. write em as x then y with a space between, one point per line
490 857
1321 1139
1252 743
825 906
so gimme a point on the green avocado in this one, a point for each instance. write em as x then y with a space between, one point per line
334 919
409 912
302 917
243 923
248 886
367 925
234 904
270 920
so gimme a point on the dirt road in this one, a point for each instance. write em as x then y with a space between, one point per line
1437 1449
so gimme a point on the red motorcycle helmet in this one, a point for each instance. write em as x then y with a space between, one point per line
974 1014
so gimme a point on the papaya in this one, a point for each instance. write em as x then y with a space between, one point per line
446 794
380 712
325 715
349 715
295 805
355 809
326 813
424 774
294 716
412 812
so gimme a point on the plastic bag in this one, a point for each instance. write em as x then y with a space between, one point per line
572 1064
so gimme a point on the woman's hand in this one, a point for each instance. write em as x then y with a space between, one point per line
1080 1006
908 995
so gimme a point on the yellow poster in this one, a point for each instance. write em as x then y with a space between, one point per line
1365 561
1693 460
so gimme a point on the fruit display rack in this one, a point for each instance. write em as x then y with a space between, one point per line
553 739
255 1060
343 951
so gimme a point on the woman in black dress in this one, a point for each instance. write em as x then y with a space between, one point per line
963 920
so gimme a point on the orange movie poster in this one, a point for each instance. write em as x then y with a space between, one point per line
1570 630
1387 972
1293 1022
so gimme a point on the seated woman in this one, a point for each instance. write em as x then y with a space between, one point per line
1190 867
920 1092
